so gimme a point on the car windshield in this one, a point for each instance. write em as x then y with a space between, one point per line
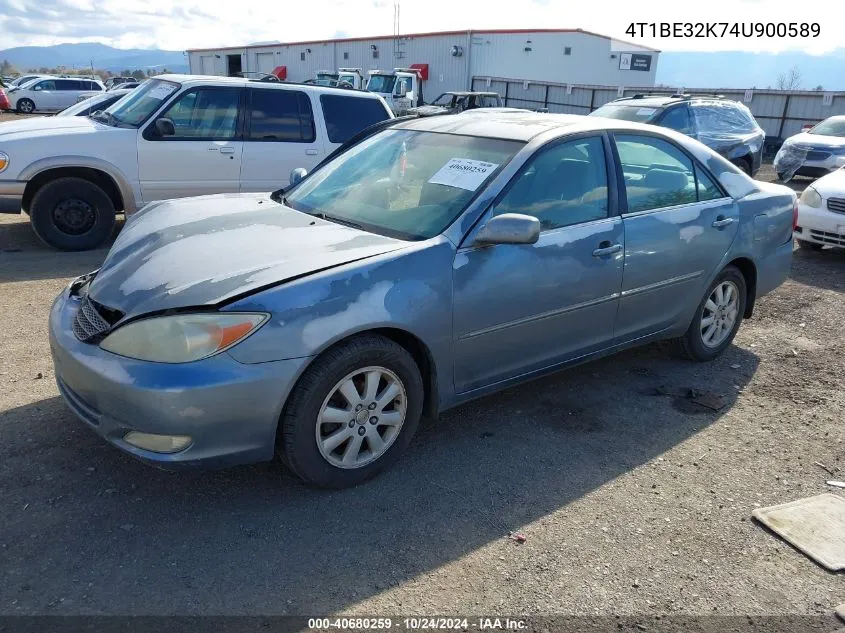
443 100
381 83
641 114
142 102
83 107
830 127
403 183
347 78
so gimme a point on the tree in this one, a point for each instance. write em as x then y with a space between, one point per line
789 80
6 68
126 73
819 88
138 74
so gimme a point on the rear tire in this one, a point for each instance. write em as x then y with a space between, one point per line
72 214
25 106
717 318
305 441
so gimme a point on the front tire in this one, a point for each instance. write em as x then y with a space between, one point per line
718 317
352 413
72 214
25 106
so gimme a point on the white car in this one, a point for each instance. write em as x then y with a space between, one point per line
50 94
815 152
172 137
821 213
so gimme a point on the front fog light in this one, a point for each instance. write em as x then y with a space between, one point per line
157 443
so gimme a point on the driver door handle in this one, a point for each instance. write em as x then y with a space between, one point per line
227 150
606 248
311 152
722 221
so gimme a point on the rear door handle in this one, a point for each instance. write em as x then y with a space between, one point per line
227 150
722 221
311 152
606 248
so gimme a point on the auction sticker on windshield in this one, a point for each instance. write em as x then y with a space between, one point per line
161 91
463 173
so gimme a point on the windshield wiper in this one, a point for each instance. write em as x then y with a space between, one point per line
104 116
333 218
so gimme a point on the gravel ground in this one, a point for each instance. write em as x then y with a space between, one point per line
631 503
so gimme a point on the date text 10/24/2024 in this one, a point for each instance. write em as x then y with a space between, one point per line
723 29
418 624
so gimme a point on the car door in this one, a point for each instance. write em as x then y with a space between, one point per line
679 223
520 308
67 90
203 156
281 135
45 95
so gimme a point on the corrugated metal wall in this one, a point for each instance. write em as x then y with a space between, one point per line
780 113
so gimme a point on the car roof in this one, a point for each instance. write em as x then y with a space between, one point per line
659 101
465 93
212 80
518 126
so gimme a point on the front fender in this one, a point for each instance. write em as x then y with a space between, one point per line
56 162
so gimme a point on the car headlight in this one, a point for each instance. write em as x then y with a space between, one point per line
4 161
182 338
811 198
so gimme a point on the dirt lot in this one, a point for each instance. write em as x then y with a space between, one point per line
631 503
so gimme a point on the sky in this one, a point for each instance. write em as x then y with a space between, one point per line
184 24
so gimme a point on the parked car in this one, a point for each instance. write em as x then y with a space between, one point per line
814 152
726 126
92 102
174 136
124 85
455 102
5 104
114 81
821 213
433 262
50 95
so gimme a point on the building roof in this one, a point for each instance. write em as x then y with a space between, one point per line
415 35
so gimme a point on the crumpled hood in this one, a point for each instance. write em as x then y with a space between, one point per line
430 110
205 250
38 126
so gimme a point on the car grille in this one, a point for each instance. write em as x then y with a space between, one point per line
836 204
817 155
828 238
89 324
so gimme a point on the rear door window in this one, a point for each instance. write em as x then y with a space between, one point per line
68 84
657 174
281 116
677 118
723 119
346 115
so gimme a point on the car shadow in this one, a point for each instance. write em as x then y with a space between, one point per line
822 269
87 523
24 258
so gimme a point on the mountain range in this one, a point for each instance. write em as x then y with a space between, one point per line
676 69
83 55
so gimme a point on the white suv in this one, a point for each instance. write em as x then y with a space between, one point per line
50 94
172 137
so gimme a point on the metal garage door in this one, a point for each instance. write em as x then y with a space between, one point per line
265 62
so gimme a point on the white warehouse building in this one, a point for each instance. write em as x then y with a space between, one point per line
454 60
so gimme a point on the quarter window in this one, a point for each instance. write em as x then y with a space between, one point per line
281 115
207 113
707 189
562 186
678 118
346 116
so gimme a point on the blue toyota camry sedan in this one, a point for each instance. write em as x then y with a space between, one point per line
426 264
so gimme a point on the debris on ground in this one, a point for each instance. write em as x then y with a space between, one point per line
706 399
837 484
814 525
830 471
519 537
840 611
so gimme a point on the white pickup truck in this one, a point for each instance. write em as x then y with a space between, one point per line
174 136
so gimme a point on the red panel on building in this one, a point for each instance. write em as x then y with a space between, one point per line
422 69
281 72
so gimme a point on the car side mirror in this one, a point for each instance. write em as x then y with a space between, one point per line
509 228
403 91
296 175
165 127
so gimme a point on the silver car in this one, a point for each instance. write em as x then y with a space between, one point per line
425 265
